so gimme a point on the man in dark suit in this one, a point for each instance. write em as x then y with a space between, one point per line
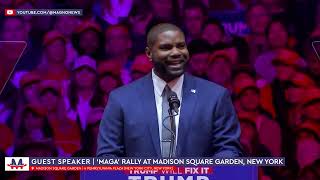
137 123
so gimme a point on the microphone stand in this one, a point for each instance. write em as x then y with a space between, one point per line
173 137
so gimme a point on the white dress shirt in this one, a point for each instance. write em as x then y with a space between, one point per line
176 86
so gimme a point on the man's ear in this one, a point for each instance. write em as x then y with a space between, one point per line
148 53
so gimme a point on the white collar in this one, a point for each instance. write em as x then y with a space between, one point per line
175 85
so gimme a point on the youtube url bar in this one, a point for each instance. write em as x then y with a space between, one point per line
43 12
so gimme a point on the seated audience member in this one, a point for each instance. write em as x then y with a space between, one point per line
141 66
248 106
278 38
307 144
118 46
220 70
53 65
213 31
28 93
165 10
88 39
257 19
67 25
37 149
34 125
295 94
139 19
194 16
66 132
81 90
89 143
109 78
199 56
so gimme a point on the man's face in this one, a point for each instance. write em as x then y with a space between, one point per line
89 41
67 25
219 71
278 36
50 100
212 34
162 8
249 100
118 41
169 54
56 51
194 20
85 77
258 19
198 64
14 30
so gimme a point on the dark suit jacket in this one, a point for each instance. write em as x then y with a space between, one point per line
208 124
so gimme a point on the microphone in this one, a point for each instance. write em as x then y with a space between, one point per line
174 102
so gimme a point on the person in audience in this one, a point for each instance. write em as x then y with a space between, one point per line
28 93
195 14
66 132
89 144
199 51
118 47
278 38
248 106
88 39
141 66
165 10
16 29
220 70
34 125
109 78
213 31
67 25
81 90
139 19
257 19
295 93
307 144
53 65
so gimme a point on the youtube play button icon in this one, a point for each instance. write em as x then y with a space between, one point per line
9 12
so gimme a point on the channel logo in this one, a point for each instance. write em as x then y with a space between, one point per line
9 12
16 163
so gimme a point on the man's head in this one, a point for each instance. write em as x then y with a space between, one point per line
219 69
55 47
195 15
14 29
213 31
167 49
199 55
163 9
257 18
118 41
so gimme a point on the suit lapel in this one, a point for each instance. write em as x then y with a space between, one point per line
189 97
150 110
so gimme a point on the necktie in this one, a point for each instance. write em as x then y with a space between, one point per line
168 127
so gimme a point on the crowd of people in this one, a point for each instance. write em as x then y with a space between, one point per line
54 100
